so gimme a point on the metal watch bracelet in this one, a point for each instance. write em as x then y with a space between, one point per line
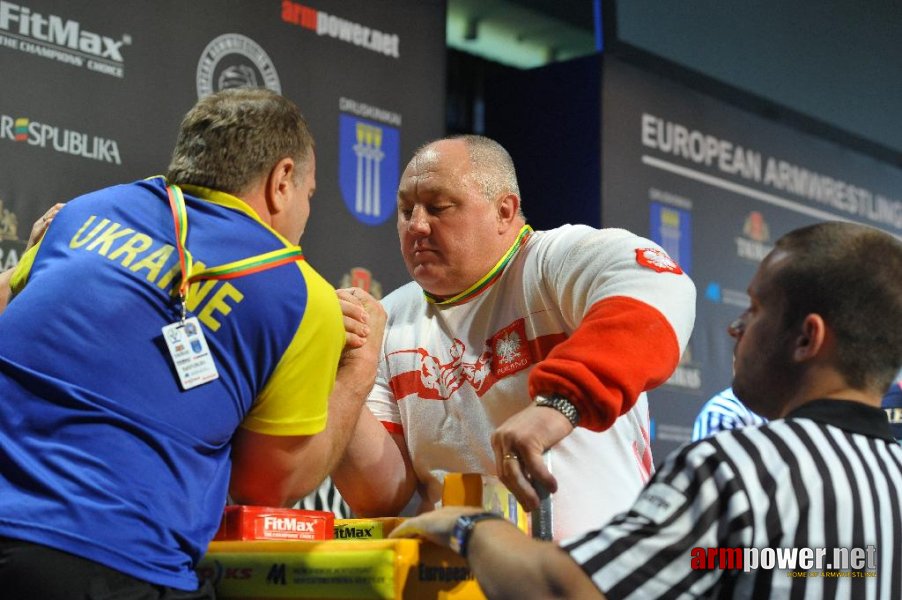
562 405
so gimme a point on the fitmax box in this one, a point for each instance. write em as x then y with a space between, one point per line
267 523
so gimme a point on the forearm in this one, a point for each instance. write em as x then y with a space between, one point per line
321 455
374 476
278 470
534 570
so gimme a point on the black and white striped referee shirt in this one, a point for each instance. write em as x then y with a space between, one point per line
802 507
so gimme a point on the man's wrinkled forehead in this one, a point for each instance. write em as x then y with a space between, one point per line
437 158
427 158
432 171
421 166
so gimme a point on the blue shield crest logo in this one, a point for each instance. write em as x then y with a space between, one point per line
368 168
672 228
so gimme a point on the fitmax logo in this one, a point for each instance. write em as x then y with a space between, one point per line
55 30
288 524
346 533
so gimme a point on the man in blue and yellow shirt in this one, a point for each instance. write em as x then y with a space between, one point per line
166 345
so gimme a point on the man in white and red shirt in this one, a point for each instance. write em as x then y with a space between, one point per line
511 342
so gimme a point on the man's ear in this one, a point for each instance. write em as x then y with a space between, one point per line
277 185
508 210
812 340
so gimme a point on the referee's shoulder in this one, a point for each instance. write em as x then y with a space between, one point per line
720 442
696 452
742 431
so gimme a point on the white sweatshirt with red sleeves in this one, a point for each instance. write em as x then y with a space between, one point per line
598 316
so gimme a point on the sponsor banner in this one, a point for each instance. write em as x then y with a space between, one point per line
28 29
59 139
341 29
94 93
359 568
233 60
717 186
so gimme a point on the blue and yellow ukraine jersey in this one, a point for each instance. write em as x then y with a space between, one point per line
102 453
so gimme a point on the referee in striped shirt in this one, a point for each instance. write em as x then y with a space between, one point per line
723 411
808 505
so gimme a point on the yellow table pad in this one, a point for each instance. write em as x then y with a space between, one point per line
402 569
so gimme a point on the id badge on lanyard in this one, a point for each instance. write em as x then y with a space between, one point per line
190 353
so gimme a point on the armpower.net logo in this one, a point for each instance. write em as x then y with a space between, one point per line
797 562
324 24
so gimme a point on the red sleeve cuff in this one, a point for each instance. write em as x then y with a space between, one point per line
622 347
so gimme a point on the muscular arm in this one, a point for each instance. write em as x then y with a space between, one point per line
375 475
278 470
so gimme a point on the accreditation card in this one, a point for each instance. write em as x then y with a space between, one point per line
190 353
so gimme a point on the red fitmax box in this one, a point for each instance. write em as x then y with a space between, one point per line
267 523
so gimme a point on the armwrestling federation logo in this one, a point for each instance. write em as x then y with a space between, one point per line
233 60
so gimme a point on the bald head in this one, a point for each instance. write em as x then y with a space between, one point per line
491 168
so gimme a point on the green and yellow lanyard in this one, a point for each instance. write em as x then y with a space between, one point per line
231 270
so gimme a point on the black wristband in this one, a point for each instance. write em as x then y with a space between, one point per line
463 529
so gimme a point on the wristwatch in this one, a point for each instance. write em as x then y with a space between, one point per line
560 404
463 528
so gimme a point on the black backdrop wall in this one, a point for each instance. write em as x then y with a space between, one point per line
93 93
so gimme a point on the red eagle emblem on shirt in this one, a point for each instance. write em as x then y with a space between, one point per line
657 260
